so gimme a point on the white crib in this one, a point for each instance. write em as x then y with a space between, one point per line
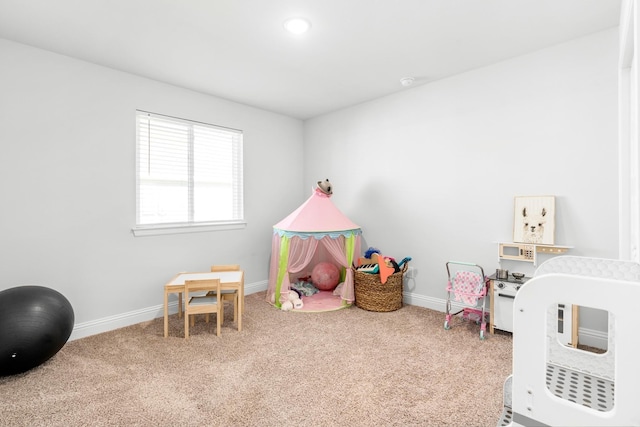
556 385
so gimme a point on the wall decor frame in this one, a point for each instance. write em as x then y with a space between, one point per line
534 219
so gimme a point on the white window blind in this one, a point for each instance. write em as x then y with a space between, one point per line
188 173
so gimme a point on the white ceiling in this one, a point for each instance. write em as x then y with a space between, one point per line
356 50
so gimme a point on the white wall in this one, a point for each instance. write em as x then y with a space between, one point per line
67 173
629 157
431 172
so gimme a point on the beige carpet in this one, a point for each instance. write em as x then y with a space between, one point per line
348 367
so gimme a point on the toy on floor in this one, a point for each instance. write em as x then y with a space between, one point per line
294 301
304 287
467 284
325 276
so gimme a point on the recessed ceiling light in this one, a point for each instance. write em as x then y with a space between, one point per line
297 25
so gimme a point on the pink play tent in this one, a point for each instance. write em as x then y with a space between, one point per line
315 232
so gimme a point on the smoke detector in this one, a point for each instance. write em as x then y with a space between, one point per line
407 81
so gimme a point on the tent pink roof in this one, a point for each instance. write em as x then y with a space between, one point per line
317 215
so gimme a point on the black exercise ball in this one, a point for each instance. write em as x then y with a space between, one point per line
35 323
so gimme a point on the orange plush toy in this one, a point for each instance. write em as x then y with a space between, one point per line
384 269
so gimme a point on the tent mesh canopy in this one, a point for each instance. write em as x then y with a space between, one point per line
317 231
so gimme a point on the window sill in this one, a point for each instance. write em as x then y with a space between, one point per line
159 229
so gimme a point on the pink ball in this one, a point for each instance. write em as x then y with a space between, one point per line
325 276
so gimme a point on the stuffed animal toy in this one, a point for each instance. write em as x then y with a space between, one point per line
371 251
325 186
295 298
297 304
294 294
293 301
385 268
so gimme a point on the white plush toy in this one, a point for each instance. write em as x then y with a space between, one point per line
326 187
293 301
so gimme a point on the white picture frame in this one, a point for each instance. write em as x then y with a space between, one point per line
534 219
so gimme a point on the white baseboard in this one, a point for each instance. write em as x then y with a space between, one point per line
586 336
590 337
85 329
593 338
105 324
436 304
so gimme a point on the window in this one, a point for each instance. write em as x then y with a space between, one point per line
189 175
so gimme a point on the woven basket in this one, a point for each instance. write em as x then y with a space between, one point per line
372 295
